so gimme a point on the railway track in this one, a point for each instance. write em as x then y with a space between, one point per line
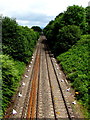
44 94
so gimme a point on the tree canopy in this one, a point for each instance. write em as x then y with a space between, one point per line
36 28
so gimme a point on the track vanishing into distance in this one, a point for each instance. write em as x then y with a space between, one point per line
44 92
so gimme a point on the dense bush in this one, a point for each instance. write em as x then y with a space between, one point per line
11 75
76 66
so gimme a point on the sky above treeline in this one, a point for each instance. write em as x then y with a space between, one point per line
36 12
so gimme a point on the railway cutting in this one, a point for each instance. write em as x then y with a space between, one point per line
44 92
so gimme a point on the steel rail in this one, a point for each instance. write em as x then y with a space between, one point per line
33 92
69 115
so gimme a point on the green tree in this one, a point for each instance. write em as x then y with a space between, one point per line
18 41
75 15
67 37
36 28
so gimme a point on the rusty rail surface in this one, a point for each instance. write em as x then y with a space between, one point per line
33 92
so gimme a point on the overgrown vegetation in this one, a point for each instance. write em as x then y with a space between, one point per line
18 44
76 66
68 37
11 75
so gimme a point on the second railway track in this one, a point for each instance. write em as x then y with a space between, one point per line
46 94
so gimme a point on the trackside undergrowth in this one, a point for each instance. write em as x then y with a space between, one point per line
75 63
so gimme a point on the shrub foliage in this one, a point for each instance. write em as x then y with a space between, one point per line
76 66
11 75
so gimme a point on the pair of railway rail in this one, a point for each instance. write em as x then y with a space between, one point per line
46 95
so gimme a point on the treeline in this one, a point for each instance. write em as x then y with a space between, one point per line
67 28
68 36
18 43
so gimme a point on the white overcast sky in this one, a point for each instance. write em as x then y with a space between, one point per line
36 12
